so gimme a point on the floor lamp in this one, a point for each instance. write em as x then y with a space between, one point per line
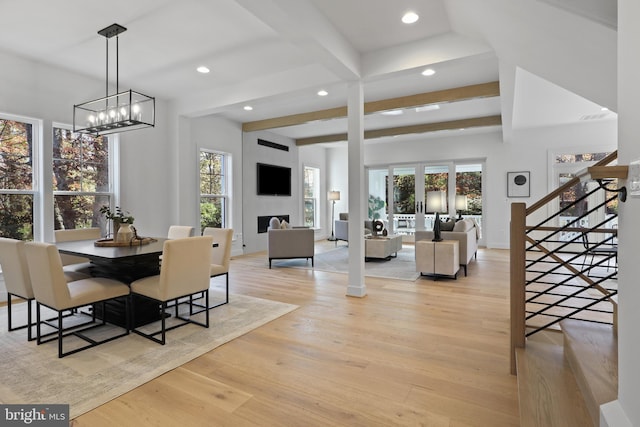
333 196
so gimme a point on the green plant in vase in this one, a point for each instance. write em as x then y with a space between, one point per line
117 216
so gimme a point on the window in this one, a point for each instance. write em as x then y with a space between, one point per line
214 195
469 183
17 180
565 165
311 192
81 184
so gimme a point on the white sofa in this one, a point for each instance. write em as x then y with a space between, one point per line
341 226
467 235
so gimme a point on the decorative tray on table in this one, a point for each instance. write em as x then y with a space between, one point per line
137 241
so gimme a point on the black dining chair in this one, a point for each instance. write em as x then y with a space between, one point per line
603 249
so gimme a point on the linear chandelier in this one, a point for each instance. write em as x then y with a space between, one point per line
118 112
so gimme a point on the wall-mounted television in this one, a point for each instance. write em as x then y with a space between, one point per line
273 180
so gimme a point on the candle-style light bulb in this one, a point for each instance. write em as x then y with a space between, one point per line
137 115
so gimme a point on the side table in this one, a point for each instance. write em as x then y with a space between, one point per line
438 258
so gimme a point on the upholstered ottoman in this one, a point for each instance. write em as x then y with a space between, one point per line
382 247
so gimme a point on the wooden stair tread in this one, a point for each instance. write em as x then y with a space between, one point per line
549 394
592 351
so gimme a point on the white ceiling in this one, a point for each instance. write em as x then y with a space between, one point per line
275 54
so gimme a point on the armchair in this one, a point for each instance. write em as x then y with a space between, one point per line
291 243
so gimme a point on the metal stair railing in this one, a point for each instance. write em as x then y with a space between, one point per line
551 276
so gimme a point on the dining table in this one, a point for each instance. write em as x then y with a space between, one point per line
126 264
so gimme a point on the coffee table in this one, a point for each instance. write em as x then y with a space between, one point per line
382 247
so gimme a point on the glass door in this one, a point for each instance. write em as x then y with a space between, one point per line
406 211
436 178
408 201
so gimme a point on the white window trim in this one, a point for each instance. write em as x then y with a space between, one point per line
36 171
228 185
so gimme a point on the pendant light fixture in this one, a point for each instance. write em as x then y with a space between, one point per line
118 112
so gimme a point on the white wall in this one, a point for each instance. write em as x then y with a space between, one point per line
625 412
337 177
254 205
221 135
146 172
316 157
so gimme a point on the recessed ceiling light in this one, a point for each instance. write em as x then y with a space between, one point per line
248 108
202 69
604 109
410 17
323 93
428 72
430 107
392 112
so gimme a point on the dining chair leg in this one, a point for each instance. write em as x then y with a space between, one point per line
60 334
29 321
38 341
163 322
206 311
9 311
227 284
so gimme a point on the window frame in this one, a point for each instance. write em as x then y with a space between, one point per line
36 171
225 196
316 197
113 175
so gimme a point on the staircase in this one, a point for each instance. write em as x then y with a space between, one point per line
562 381
564 299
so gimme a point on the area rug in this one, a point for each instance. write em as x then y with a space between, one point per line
33 374
402 267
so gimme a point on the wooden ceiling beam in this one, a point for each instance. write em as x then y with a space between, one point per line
405 130
482 90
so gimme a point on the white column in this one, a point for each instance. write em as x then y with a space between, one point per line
357 199
625 411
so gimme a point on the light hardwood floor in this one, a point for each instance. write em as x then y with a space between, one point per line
424 353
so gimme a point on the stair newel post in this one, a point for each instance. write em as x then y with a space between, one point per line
517 279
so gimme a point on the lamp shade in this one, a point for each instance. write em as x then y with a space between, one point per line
461 202
436 201
333 195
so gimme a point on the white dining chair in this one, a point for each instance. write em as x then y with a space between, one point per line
180 231
220 255
17 280
185 272
76 267
51 290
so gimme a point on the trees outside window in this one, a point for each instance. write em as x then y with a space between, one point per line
469 183
17 189
311 193
565 166
214 172
81 183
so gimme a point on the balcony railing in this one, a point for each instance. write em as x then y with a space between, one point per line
405 224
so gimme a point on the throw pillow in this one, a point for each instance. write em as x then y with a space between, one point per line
464 225
447 225
274 223
284 225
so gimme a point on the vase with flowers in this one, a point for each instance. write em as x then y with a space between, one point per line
119 218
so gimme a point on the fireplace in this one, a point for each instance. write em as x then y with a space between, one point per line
263 221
